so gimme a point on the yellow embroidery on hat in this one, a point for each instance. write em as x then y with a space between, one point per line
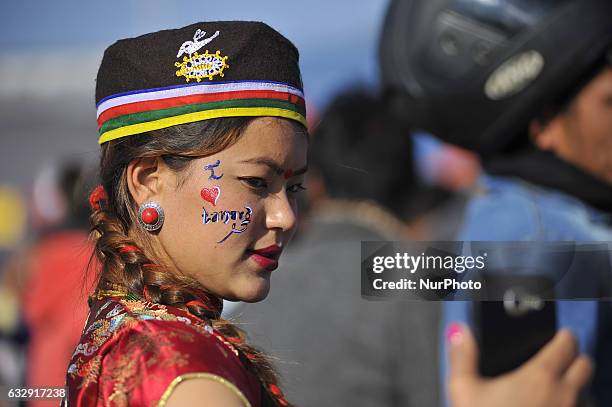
203 66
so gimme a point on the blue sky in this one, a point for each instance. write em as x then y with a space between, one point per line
337 38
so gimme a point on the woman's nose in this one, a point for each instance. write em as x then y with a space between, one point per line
281 214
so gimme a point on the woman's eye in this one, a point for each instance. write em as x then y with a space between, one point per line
254 182
295 188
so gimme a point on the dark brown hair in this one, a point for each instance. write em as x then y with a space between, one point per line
139 272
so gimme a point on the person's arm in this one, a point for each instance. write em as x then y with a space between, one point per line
156 362
554 377
204 393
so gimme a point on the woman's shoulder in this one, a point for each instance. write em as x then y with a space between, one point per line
136 352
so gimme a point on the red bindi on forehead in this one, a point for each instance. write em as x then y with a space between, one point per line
288 174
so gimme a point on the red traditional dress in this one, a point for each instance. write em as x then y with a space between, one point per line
134 353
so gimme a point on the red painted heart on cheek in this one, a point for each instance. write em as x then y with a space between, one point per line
211 194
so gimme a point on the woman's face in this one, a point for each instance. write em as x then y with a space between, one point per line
236 210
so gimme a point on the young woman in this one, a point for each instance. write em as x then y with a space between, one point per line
203 152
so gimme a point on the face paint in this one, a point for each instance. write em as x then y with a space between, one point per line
211 194
288 174
243 225
211 168
226 216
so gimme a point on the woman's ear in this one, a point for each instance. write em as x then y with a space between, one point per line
146 178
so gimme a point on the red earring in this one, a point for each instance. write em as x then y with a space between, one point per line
151 216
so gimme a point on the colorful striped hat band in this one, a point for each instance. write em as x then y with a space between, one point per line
136 112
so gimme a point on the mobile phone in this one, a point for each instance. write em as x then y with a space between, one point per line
509 332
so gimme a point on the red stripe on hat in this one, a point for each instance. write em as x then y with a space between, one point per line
138 107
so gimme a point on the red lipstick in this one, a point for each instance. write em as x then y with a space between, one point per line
267 257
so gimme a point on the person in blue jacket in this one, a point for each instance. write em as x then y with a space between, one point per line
528 86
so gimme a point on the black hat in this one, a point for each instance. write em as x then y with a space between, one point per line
202 71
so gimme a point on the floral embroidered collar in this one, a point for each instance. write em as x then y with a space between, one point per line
209 302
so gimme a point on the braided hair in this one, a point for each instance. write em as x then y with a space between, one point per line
126 254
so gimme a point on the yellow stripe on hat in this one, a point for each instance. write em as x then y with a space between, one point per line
198 116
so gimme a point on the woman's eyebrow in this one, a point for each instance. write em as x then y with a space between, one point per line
273 165
300 171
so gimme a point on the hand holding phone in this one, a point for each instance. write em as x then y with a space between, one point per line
551 378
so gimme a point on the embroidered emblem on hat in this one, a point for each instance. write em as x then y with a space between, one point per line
199 66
